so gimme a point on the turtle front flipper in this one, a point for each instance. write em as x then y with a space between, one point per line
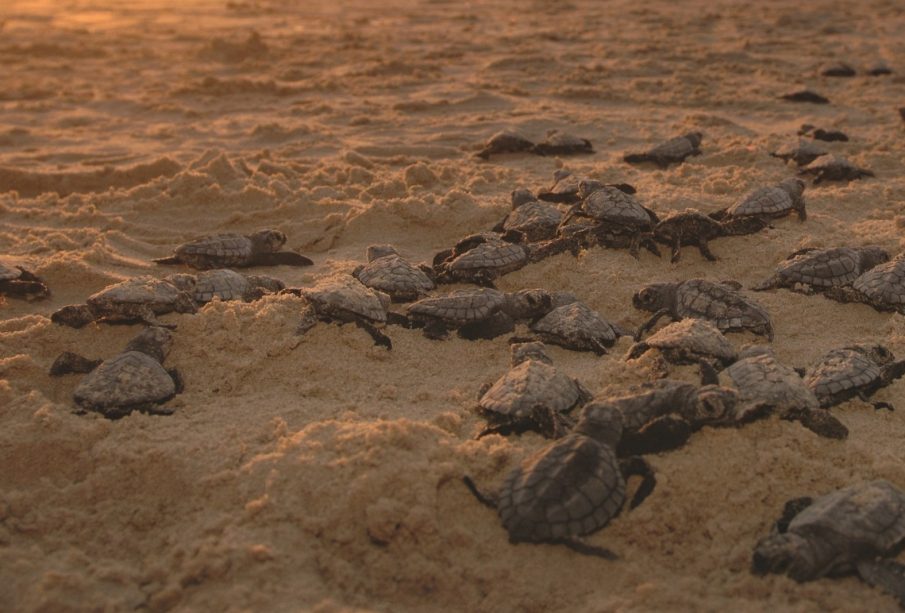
742 226
636 466
789 511
72 363
886 574
650 323
281 258
170 261
844 293
704 248
659 434
147 315
588 550
378 337
822 423
488 500
771 283
676 249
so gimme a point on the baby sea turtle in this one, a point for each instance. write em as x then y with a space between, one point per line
578 327
834 168
719 303
533 395
902 113
768 202
879 69
18 282
691 227
688 341
661 415
505 142
816 133
571 488
562 143
536 220
673 151
837 69
857 529
813 270
236 250
225 284
388 272
481 258
614 209
766 386
133 300
566 188
857 370
802 153
805 95
343 298
479 313
133 380
882 287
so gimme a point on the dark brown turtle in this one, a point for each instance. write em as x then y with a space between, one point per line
802 152
481 258
615 210
261 248
821 134
533 395
536 220
857 529
882 287
571 488
505 142
18 282
562 143
768 203
388 272
879 69
719 303
688 341
692 227
814 270
805 95
135 300
834 168
578 327
133 380
854 371
673 151
837 69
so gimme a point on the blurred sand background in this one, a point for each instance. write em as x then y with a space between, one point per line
322 473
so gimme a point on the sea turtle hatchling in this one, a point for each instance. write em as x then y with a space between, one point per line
857 529
687 341
857 370
533 395
388 272
578 327
566 188
343 298
536 220
138 299
882 287
673 151
834 168
816 133
481 258
805 95
261 248
18 282
691 227
133 380
719 303
505 142
811 270
570 488
225 284
768 202
802 152
837 69
563 143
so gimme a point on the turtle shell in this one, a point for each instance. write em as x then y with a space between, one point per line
693 337
725 307
570 488
395 276
822 268
223 284
773 201
459 307
343 296
761 379
841 373
527 386
575 326
884 285
496 255
536 220
125 382
612 205
135 295
677 148
802 153
217 251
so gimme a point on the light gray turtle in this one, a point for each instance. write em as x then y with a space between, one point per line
719 303
563 143
767 386
882 287
814 270
834 168
133 300
536 220
688 341
673 151
133 380
481 258
578 327
388 272
261 248
857 370
571 488
343 298
533 395
566 188
856 529
768 202
225 284
505 142
18 282
661 415
802 152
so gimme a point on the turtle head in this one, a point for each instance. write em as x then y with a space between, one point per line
602 422
695 139
263 282
794 187
153 341
522 196
786 553
876 353
267 241
715 405
873 255
528 303
380 251
183 281
654 297
534 350
74 316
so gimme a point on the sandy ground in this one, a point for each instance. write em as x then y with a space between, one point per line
318 472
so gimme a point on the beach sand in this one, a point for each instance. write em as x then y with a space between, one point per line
320 472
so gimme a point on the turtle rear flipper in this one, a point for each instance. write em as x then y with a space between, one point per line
659 434
485 499
72 363
588 550
170 261
886 574
284 258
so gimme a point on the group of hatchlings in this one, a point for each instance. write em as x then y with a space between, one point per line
575 485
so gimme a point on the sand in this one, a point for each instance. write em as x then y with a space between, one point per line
319 472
